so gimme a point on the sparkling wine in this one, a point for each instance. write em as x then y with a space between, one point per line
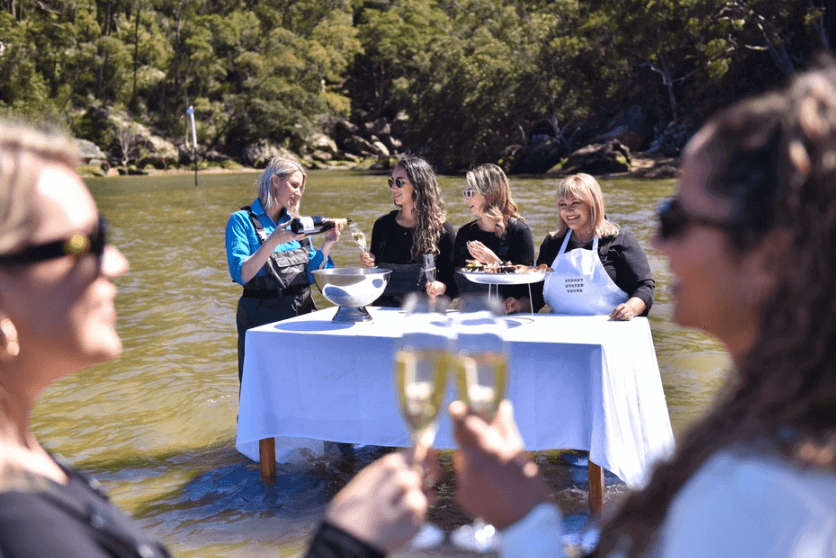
360 239
421 377
481 380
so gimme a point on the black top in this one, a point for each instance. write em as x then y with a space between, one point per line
516 246
623 259
331 542
40 518
392 243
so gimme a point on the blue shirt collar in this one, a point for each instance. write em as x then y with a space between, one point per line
258 209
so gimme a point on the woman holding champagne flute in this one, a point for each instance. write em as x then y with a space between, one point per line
401 238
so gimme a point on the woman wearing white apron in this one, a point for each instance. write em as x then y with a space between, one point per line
598 268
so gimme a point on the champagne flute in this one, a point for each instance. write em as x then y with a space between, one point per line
429 267
481 367
358 236
422 359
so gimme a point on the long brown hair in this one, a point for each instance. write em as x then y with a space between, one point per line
428 207
785 392
490 181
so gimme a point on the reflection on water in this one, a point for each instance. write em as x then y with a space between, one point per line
157 425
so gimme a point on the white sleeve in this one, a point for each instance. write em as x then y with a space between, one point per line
752 508
537 535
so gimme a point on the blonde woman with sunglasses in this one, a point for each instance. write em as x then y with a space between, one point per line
498 232
418 227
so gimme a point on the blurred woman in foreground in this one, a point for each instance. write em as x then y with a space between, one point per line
754 222
57 316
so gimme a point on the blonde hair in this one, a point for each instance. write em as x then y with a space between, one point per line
24 151
281 167
585 188
490 181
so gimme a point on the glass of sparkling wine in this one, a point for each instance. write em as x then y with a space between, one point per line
429 268
422 358
358 236
481 369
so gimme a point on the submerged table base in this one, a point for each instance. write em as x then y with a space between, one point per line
312 378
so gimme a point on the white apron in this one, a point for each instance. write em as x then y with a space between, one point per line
579 285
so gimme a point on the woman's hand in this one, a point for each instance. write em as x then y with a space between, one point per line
481 252
367 259
514 305
626 311
495 478
255 261
332 236
281 235
384 504
436 288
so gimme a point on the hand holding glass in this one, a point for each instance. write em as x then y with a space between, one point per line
422 358
481 367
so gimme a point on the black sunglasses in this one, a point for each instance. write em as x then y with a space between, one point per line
77 245
674 220
399 182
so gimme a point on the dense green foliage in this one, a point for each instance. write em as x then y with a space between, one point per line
470 79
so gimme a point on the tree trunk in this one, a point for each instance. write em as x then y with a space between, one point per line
668 81
102 68
136 49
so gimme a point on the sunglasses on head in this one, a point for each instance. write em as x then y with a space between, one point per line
674 219
77 246
467 193
399 182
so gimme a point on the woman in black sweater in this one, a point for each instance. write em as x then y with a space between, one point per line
497 234
402 237
609 275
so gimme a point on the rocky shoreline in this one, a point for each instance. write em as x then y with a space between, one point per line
641 166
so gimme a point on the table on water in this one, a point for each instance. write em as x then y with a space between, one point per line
577 382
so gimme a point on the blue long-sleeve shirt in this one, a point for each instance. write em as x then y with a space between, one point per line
242 241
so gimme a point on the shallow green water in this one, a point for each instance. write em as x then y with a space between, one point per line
157 425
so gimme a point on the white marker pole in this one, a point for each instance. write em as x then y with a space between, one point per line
190 112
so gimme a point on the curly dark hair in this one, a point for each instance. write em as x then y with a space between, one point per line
776 158
429 209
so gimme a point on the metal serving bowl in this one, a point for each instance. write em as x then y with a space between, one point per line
351 288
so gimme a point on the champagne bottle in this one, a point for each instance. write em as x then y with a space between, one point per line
314 225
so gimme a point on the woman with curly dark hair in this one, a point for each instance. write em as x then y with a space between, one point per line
750 237
402 237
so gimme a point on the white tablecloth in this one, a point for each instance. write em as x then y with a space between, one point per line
582 383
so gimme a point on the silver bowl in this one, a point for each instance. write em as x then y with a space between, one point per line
351 288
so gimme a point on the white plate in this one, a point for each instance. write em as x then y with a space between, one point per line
505 278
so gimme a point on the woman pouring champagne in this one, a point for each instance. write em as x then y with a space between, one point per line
598 267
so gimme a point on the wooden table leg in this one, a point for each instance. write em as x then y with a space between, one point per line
596 488
267 457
